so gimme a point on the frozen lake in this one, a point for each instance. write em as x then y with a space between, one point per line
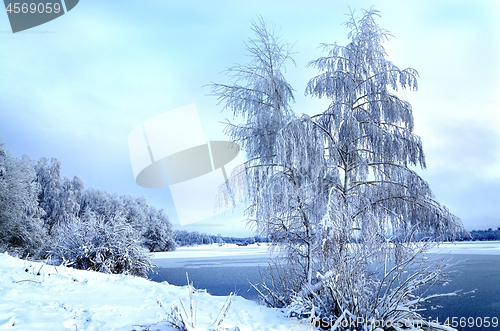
226 269
220 270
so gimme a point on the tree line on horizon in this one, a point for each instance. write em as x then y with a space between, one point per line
482 235
194 238
185 238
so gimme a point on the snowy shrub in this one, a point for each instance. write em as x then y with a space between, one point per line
180 319
357 289
284 282
93 243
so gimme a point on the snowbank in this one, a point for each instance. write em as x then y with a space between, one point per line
35 296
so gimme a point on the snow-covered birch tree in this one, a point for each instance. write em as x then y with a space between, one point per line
338 192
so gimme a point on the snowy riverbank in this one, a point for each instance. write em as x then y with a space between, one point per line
34 296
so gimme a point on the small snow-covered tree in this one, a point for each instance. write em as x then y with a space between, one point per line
58 196
135 211
159 235
378 206
220 241
21 229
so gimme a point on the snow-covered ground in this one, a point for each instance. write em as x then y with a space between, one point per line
35 296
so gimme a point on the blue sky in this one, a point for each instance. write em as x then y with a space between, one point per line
75 87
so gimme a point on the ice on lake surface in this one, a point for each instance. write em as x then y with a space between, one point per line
228 252
220 270
469 247
255 255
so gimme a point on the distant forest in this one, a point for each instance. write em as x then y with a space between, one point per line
483 235
193 238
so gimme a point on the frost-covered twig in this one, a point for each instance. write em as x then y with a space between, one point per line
179 319
222 314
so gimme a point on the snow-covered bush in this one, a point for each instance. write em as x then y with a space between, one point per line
93 243
178 318
358 288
